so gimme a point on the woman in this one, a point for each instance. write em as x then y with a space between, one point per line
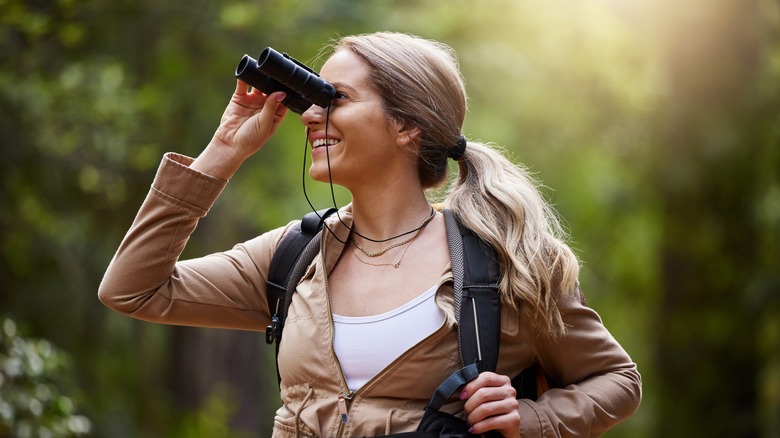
371 331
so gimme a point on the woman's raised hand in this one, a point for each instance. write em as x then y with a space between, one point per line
491 405
248 122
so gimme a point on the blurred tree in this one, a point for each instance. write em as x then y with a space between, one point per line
716 161
33 375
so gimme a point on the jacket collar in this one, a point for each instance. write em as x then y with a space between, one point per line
337 231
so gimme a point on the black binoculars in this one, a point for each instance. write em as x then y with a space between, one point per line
275 71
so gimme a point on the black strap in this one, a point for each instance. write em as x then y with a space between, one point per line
293 255
282 263
451 385
480 312
525 383
443 424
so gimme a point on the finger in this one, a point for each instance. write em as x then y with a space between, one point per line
508 424
491 401
274 103
492 407
271 114
242 87
484 380
281 110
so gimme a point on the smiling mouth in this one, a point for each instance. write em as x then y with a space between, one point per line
320 142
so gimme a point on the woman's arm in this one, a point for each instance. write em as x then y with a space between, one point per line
146 281
599 383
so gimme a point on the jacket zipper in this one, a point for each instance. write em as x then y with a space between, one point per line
345 400
345 397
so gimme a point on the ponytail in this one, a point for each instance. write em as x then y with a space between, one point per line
500 202
420 85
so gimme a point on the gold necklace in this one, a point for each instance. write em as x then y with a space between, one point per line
396 245
394 265
379 253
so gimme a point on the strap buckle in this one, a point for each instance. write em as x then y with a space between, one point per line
273 331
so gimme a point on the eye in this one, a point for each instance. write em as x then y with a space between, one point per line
340 95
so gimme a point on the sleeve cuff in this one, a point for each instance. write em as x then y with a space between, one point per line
530 420
176 180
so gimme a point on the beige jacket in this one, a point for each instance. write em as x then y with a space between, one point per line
599 384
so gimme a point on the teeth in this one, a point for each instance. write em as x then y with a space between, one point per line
324 141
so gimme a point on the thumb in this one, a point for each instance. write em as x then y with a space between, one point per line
273 111
277 98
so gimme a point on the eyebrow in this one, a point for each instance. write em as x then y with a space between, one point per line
342 85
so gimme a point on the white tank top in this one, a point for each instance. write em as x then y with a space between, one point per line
365 345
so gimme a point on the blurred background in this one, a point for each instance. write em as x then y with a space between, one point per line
653 124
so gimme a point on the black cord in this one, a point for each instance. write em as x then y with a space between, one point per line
303 183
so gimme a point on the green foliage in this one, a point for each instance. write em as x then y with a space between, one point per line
31 382
212 418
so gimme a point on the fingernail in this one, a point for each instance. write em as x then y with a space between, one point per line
280 97
464 395
471 429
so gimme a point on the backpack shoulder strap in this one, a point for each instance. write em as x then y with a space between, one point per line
478 305
477 298
282 273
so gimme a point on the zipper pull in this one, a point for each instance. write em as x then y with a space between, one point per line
343 406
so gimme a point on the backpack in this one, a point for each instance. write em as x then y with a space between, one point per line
477 307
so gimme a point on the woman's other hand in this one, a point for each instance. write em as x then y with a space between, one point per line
248 122
491 405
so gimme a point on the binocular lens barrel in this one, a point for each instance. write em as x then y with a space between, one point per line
248 71
277 72
303 80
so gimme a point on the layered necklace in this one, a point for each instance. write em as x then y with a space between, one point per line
381 252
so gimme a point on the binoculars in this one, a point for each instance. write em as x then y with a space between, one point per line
274 71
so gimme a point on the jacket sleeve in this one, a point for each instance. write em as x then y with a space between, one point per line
597 383
145 280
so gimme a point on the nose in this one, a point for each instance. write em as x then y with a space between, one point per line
313 116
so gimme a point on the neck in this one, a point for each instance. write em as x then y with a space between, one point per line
382 217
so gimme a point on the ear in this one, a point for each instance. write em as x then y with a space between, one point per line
407 134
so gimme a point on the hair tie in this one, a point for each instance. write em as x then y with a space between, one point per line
456 153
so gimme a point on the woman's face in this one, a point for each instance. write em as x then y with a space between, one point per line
364 147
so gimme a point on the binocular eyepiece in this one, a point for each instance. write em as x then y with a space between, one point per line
274 71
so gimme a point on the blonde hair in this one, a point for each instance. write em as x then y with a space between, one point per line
421 85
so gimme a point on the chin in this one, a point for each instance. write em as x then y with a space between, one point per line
319 173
